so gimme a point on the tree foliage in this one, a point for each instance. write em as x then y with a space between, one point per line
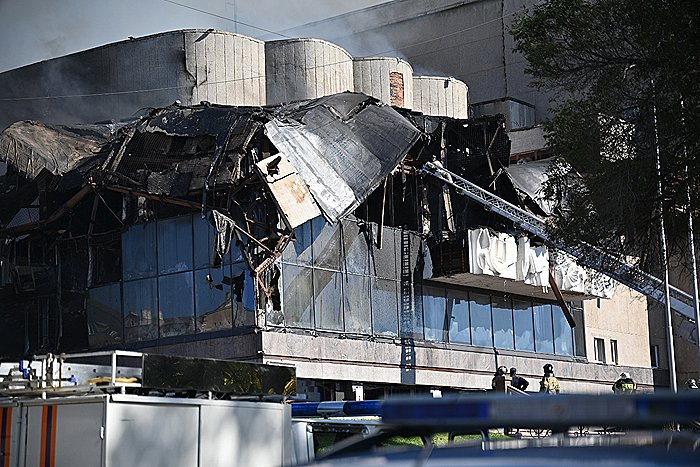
626 79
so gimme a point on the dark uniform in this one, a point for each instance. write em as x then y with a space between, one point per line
518 381
624 385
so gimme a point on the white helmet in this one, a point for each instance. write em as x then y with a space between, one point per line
624 375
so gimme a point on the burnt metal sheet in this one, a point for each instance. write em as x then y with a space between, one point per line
288 190
342 146
32 147
528 178
239 378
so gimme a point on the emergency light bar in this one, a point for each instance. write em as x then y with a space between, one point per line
336 409
538 411
544 411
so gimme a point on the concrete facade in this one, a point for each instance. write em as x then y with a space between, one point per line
388 79
117 80
300 69
444 96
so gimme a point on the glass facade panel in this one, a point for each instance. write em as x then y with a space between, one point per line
356 250
383 260
385 307
104 316
141 310
523 327
326 244
176 304
563 337
175 245
297 296
204 241
243 290
434 306
502 323
299 250
356 304
458 316
480 312
544 338
139 251
328 306
212 300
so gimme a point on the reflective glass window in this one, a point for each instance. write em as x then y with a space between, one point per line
243 295
523 327
299 250
328 305
385 307
480 312
326 244
204 241
357 308
139 251
544 339
383 260
176 304
297 295
354 244
175 244
502 322
141 310
104 316
458 316
563 337
212 300
434 307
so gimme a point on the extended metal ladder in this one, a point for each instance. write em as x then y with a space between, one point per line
587 255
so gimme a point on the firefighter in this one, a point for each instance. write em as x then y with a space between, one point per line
498 383
549 384
691 384
624 385
518 381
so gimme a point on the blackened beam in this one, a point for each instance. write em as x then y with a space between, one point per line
560 300
57 214
161 198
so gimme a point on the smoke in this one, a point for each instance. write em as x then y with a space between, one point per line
35 30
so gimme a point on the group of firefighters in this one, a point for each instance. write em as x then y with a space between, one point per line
549 384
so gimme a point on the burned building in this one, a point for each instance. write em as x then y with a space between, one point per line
308 233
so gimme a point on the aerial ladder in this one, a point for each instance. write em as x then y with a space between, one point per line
586 254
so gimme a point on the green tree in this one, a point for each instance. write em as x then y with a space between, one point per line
612 66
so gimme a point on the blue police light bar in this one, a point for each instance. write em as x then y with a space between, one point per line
336 409
541 411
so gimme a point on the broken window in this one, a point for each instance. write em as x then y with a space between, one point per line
212 300
104 316
297 293
328 304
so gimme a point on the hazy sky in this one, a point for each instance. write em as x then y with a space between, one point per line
34 30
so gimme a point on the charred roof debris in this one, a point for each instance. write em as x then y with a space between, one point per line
252 178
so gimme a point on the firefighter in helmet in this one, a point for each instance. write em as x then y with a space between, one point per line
624 385
549 384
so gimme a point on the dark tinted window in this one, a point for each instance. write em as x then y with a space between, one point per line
176 304
480 312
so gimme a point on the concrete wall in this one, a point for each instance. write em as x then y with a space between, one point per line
467 39
388 79
306 69
330 358
443 96
115 81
